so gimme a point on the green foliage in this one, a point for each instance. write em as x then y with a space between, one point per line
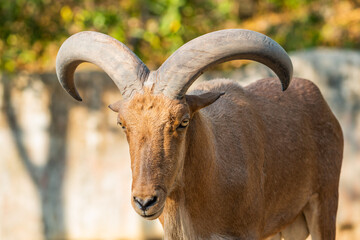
31 31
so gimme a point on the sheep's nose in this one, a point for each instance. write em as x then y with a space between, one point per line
145 203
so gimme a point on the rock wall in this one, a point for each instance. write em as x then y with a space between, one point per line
65 168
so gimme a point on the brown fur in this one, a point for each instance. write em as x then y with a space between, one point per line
254 163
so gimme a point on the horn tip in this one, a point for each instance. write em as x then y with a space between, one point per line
78 98
285 84
75 95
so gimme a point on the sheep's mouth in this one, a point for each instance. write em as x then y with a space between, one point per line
152 216
149 216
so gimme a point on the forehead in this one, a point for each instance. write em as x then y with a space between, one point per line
155 107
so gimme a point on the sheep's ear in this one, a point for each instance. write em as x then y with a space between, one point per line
115 106
197 102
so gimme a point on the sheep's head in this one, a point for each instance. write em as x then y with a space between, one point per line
155 113
156 127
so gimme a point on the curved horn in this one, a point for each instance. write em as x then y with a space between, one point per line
184 66
119 62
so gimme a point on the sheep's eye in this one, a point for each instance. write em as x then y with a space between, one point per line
120 124
184 123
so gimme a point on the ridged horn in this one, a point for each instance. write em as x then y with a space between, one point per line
126 70
184 66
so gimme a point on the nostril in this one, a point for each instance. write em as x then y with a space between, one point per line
144 204
150 202
138 202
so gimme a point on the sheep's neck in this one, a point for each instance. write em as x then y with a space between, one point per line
190 201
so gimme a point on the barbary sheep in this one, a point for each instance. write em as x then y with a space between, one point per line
223 161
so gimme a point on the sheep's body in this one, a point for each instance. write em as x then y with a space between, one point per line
270 156
228 162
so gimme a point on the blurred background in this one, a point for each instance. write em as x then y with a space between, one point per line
64 166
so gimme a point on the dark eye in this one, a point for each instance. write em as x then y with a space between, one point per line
184 123
121 124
